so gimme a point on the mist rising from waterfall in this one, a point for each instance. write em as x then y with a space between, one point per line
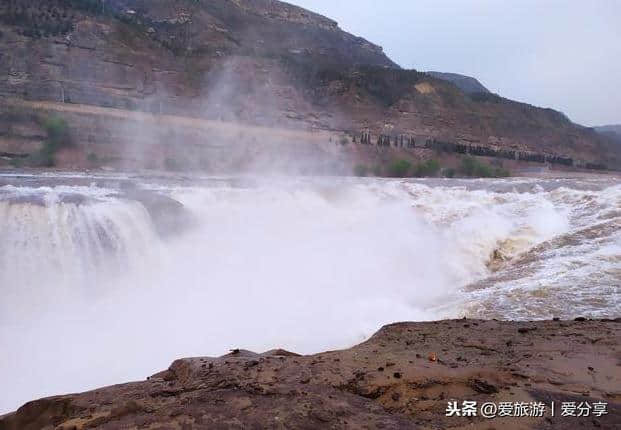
92 294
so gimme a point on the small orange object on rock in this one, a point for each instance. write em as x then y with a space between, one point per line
433 357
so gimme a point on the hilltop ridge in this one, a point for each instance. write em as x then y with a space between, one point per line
467 84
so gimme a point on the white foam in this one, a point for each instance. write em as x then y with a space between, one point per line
92 296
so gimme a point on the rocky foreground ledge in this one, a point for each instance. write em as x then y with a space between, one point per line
402 378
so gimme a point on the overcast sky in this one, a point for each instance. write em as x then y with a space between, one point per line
551 53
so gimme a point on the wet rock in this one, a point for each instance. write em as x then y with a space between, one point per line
320 392
169 216
481 386
30 199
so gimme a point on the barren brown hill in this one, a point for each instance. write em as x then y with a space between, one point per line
260 62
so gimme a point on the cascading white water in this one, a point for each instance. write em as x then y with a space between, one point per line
56 242
92 295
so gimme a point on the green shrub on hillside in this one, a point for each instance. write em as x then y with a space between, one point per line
399 168
472 167
427 168
361 170
16 162
501 172
57 131
449 172
58 137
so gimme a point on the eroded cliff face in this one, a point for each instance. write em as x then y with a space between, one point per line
252 62
181 57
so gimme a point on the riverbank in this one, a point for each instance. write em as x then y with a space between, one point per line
77 137
517 173
405 376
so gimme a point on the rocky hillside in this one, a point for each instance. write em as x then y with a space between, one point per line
467 84
613 131
613 128
404 377
259 62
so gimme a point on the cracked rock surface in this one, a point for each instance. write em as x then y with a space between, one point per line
401 378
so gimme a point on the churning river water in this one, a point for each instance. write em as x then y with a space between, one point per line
108 278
